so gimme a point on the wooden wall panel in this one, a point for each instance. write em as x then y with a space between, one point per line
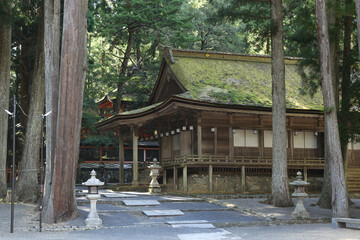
166 147
223 141
185 143
207 138
247 151
354 158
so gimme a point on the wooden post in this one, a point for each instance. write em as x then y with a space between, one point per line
243 179
199 140
164 177
210 182
175 174
231 143
121 159
135 181
185 183
215 141
305 174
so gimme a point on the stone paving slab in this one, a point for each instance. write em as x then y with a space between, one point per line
179 199
141 202
218 217
218 235
118 195
187 222
194 225
162 213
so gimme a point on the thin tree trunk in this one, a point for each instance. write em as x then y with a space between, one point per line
52 59
357 2
72 77
123 70
5 54
325 198
27 187
280 195
345 87
339 192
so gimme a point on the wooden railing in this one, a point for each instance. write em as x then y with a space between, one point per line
239 160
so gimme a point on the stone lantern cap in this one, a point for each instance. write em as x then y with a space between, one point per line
93 181
299 182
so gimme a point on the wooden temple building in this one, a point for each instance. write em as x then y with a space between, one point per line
211 114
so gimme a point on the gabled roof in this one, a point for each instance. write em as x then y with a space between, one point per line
227 78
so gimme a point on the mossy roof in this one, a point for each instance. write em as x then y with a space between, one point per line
237 79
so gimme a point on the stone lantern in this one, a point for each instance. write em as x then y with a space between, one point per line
154 186
93 195
299 194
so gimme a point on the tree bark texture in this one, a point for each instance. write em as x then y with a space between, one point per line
5 54
325 198
340 204
52 74
280 188
357 2
27 187
345 87
72 79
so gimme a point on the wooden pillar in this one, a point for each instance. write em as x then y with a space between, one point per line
185 182
231 143
199 140
305 174
215 141
291 143
135 138
121 159
164 177
243 179
175 174
210 182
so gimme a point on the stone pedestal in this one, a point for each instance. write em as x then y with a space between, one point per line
300 211
154 186
93 219
299 194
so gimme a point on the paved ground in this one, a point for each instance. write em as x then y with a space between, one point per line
233 219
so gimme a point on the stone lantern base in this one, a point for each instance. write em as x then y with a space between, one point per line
300 211
93 220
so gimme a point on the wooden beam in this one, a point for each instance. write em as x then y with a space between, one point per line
199 140
210 181
185 182
243 179
121 159
175 174
215 141
231 142
135 138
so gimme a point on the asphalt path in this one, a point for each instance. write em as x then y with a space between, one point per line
230 219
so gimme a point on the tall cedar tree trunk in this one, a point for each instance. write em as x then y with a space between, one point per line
345 87
72 79
123 69
52 74
357 2
5 54
339 200
325 197
27 187
280 195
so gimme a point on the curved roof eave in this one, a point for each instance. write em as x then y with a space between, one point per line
172 103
